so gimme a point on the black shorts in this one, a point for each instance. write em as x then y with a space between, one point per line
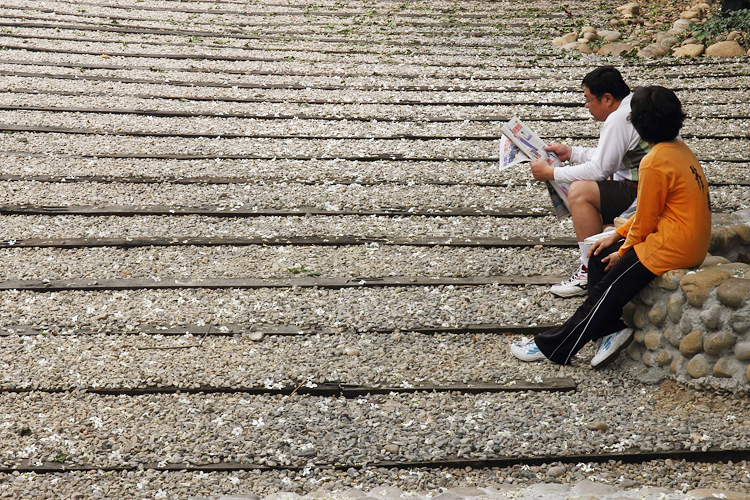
615 197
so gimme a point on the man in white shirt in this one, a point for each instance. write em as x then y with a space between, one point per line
603 180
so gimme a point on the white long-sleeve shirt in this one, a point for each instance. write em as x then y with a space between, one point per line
616 156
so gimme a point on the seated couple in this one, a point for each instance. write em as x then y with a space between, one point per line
670 229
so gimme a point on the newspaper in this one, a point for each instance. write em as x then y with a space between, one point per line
519 144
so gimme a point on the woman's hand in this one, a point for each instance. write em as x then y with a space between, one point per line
599 245
611 260
602 243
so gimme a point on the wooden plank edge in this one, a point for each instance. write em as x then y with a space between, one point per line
117 179
83 284
400 102
397 157
259 332
328 389
258 86
283 241
633 456
218 211
301 137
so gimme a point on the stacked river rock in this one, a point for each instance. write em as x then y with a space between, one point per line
650 39
696 322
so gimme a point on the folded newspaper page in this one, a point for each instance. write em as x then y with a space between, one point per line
518 144
510 155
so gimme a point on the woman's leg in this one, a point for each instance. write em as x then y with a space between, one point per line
596 266
600 315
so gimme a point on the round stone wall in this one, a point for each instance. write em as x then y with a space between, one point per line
694 324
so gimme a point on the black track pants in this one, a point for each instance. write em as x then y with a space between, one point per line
601 313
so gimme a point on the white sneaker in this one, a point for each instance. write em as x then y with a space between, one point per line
527 350
610 346
576 285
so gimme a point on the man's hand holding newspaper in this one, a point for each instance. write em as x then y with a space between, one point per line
541 170
562 151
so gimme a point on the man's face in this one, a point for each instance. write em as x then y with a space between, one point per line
597 105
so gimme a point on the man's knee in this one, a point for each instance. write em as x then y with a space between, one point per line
580 192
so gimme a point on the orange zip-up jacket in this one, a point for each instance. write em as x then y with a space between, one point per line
671 227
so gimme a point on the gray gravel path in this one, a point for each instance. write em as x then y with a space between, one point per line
350 75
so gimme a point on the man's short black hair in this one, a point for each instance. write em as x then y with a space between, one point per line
656 114
606 80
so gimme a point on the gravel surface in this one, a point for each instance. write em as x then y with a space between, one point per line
290 430
17 227
360 81
331 197
359 309
282 195
281 261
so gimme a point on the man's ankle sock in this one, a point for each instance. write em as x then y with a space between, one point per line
584 249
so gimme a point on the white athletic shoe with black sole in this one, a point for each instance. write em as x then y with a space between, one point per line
575 286
609 347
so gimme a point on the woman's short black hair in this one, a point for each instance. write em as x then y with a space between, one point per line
606 80
656 114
